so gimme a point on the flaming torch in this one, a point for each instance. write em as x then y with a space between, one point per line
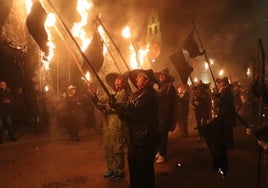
137 55
83 6
134 58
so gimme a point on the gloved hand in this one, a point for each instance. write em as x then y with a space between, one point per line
112 102
100 106
94 99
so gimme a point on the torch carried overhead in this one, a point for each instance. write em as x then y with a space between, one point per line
98 20
126 33
78 47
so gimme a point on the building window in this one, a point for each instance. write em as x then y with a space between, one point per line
156 29
150 31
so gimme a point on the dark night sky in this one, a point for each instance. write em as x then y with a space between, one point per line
229 29
230 25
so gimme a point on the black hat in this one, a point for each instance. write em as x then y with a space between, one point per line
110 78
236 84
224 79
70 87
149 74
166 72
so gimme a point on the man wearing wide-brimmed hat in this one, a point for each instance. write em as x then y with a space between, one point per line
113 127
141 116
202 104
237 96
166 100
226 109
72 112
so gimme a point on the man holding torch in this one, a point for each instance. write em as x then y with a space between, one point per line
141 115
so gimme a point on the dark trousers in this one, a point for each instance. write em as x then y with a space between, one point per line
6 126
141 166
164 130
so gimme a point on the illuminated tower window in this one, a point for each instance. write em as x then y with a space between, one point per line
155 29
153 34
150 31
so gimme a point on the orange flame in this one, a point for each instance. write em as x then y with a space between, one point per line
28 5
87 77
126 32
83 6
104 38
49 23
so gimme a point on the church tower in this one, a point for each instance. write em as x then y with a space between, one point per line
153 35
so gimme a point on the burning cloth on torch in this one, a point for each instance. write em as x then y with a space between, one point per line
213 134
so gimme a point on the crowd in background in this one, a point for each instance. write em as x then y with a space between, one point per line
196 102
34 113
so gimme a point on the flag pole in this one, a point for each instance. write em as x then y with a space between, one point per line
137 52
110 53
217 90
98 20
210 70
78 47
261 84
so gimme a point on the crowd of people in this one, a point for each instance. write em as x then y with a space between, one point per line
147 115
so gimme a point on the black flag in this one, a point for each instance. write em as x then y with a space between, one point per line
94 52
181 65
35 24
213 134
191 47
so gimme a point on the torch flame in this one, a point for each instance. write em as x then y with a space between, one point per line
46 88
88 76
50 22
142 54
126 32
28 4
104 38
83 6
221 72
138 57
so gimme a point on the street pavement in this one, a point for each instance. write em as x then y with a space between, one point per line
50 160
